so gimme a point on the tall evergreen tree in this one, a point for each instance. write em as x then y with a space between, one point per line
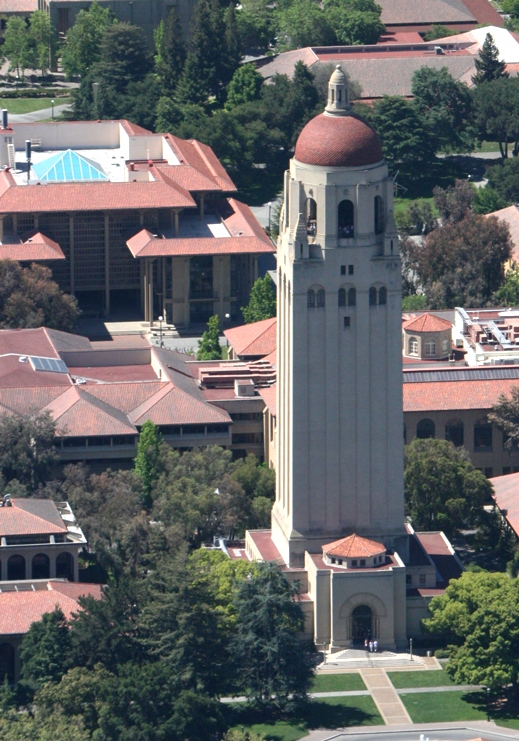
83 41
171 51
45 650
202 73
488 65
209 343
148 451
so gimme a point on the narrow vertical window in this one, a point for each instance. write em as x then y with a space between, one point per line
310 299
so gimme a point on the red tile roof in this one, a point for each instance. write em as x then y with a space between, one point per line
90 196
506 495
454 395
354 546
154 247
407 12
77 413
19 6
338 141
256 339
427 323
19 610
201 158
35 247
172 406
31 517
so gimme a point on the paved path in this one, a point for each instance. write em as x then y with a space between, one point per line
40 115
389 704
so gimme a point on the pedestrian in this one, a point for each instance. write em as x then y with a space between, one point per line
375 645
371 647
365 644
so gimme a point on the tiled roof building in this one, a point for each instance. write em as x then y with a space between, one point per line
127 217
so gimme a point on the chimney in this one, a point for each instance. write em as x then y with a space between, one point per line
5 122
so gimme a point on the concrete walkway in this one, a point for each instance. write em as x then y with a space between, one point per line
386 698
40 115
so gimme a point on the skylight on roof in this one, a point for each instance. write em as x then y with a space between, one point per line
54 365
66 167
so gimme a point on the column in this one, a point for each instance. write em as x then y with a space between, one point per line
107 264
71 249
53 565
150 291
176 223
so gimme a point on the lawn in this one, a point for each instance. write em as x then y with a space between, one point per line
337 683
329 712
402 680
17 106
425 707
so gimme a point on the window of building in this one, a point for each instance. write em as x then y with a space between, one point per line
379 215
333 560
445 345
342 297
372 296
340 561
347 322
343 269
362 561
217 429
193 430
352 297
354 562
311 217
408 579
413 346
482 435
320 298
310 299
382 296
345 219
430 347
201 277
350 269
489 472
425 429
454 432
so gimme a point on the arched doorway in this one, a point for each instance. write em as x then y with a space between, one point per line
16 568
361 624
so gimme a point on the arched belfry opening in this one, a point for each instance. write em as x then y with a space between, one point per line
311 216
346 219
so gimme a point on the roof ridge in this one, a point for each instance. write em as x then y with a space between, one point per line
32 515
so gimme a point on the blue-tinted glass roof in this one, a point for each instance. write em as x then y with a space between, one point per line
68 166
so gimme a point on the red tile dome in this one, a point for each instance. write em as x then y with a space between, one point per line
338 141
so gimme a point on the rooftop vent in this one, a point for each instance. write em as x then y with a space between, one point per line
244 387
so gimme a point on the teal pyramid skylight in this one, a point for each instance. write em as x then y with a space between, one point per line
67 166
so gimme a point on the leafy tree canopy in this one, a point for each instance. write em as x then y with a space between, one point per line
443 490
438 31
27 452
83 41
244 87
150 440
460 264
45 650
303 23
496 112
486 200
262 302
504 180
455 202
505 414
271 659
209 344
30 298
479 616
446 105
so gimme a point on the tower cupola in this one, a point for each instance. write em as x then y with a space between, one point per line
338 103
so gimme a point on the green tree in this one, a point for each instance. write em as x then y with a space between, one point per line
505 414
439 31
443 490
17 45
209 344
460 264
30 298
45 650
27 452
262 302
488 65
446 105
273 663
414 302
406 141
41 36
455 202
202 75
245 86
303 23
479 616
508 293
123 57
171 51
496 113
236 735
486 200
504 180
354 21
148 450
83 41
